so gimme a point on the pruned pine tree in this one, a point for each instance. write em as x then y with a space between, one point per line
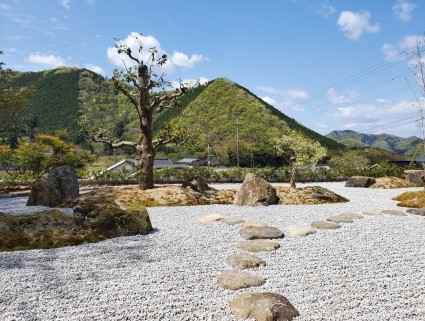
299 151
137 82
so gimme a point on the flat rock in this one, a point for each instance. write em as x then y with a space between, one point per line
254 233
263 306
416 211
232 221
344 218
296 230
323 225
245 261
259 245
394 212
235 280
254 224
210 218
371 212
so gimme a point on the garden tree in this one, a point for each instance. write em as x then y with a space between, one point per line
43 154
350 159
299 151
102 107
12 106
136 83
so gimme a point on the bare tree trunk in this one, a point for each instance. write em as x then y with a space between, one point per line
147 153
293 177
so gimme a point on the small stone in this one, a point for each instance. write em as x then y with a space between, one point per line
394 212
323 225
296 230
263 306
344 218
232 221
245 261
235 280
210 218
259 245
248 224
371 212
416 211
254 233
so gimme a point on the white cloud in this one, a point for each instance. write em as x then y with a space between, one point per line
405 47
134 40
336 98
182 60
91 2
269 100
403 9
354 24
296 94
270 90
4 7
65 3
95 69
325 10
189 82
48 60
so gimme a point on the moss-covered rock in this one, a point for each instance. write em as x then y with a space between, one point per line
43 230
102 211
307 195
411 199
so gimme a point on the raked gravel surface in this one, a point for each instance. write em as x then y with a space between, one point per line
372 269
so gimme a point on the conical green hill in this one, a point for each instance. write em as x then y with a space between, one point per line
213 112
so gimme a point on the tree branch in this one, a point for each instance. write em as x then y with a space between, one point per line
99 138
164 141
159 102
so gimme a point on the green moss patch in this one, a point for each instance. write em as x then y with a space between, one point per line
411 199
43 230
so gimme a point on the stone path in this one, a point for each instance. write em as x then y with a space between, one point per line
259 237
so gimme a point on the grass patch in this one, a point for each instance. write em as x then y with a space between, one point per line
411 199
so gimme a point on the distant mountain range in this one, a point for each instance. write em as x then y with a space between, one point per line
384 142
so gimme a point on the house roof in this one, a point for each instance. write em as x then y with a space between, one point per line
118 164
162 162
188 160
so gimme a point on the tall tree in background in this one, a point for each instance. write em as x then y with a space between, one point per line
136 83
299 151
12 104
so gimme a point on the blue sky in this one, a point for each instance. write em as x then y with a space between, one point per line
331 65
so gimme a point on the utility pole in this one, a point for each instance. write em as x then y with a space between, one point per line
366 148
237 141
208 156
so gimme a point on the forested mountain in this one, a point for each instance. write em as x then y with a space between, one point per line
212 115
385 142
83 102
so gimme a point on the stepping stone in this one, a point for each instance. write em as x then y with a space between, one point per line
248 224
344 218
210 218
235 280
259 245
371 212
245 261
232 221
416 211
394 212
263 306
255 233
296 230
323 225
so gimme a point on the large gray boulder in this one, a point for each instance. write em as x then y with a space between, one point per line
198 184
415 176
55 187
360 181
255 191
